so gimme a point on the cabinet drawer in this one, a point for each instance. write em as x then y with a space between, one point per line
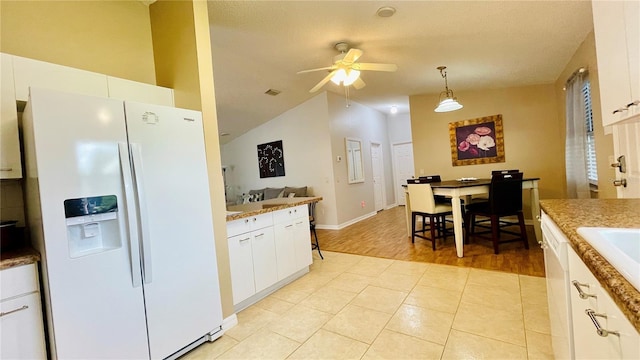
290 214
21 328
241 226
18 280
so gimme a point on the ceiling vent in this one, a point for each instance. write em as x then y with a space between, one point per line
272 92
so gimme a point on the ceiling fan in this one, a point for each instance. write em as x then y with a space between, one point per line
346 70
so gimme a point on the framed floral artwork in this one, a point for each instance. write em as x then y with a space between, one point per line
477 141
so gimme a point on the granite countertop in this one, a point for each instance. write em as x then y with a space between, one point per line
17 257
570 214
235 212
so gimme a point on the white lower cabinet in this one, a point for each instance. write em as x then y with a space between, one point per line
600 329
293 242
21 323
266 250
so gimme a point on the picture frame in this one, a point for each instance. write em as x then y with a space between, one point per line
477 141
271 159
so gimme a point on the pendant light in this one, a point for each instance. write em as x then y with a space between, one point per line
449 102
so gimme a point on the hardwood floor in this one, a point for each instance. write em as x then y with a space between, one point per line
384 235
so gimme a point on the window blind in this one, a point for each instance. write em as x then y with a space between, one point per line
592 168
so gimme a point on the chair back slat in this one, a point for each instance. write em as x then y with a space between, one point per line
421 198
505 193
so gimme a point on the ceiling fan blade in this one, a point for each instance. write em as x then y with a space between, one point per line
318 69
375 67
323 81
359 84
352 55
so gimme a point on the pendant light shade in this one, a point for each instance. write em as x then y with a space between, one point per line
447 101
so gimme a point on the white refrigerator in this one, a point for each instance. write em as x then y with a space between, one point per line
118 205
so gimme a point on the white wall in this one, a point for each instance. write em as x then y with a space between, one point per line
399 128
368 125
304 131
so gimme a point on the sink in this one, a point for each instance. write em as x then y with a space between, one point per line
620 247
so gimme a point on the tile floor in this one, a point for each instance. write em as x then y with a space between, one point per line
358 307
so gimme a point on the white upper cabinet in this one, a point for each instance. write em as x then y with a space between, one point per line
10 166
617 34
139 92
29 72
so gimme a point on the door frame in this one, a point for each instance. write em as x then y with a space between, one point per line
397 182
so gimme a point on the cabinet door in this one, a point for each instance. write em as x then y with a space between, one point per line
10 166
140 92
285 248
626 141
302 238
28 72
241 266
264 258
626 344
613 58
587 343
632 34
21 328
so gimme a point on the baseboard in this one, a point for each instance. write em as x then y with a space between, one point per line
344 225
391 206
229 322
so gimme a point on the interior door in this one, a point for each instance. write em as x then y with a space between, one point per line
378 176
626 141
403 168
180 276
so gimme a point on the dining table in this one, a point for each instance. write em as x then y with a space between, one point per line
465 189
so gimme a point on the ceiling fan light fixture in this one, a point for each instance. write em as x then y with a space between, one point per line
339 76
352 76
449 102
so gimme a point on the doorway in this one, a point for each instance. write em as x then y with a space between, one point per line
377 165
402 168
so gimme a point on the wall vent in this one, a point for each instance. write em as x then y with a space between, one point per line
272 92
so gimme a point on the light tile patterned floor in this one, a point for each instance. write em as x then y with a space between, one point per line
358 307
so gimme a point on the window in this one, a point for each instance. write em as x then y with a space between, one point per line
592 168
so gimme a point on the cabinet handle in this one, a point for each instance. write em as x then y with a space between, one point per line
259 235
602 332
24 307
243 240
288 226
299 223
621 182
246 221
6 169
582 294
619 110
633 103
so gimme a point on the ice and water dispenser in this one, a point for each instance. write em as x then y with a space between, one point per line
92 225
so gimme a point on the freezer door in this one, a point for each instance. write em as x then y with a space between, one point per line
180 279
77 212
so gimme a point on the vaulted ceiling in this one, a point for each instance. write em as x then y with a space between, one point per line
261 45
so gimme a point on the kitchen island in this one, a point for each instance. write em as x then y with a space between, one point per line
269 246
570 214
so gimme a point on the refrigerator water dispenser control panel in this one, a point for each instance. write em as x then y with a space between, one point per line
92 225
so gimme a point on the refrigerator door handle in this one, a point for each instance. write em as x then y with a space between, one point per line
134 246
145 239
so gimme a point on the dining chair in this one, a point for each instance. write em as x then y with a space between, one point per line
498 172
312 227
423 204
505 199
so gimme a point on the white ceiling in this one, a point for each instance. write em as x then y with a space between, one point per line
260 45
